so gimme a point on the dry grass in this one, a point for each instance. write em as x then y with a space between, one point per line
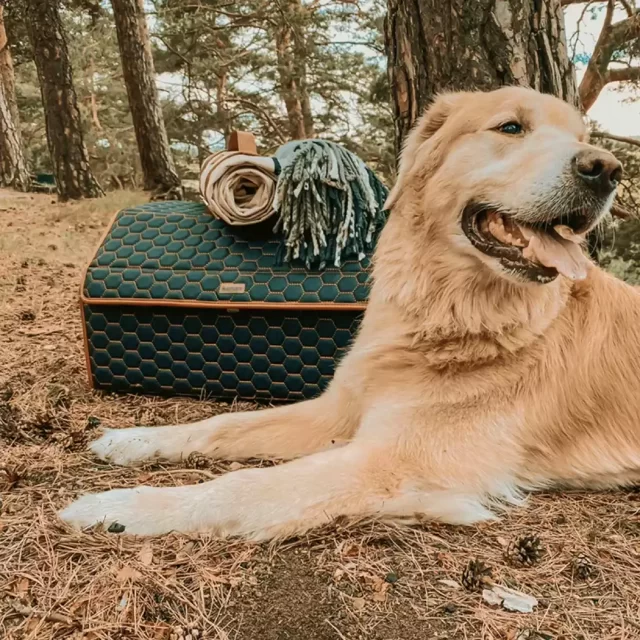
366 581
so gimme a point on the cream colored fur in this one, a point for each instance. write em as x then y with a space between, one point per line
463 388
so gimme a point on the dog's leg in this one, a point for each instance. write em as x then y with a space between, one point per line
397 465
285 432
278 501
257 503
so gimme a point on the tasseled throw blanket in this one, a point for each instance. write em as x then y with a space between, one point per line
327 204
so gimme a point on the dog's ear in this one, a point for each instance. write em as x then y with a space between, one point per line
425 128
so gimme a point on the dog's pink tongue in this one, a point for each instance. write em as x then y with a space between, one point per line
565 256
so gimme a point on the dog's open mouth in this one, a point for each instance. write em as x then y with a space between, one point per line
537 252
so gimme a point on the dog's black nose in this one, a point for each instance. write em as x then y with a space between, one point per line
598 169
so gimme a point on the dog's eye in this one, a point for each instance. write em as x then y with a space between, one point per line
512 128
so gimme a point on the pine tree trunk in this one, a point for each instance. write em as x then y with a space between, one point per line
13 167
434 46
300 55
159 172
288 86
291 56
7 74
222 109
74 179
95 117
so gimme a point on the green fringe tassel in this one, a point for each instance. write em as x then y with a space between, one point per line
328 202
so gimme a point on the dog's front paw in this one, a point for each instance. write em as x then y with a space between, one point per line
140 511
127 446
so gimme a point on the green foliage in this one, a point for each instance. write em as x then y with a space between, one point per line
223 60
627 270
621 250
217 64
620 240
102 98
629 155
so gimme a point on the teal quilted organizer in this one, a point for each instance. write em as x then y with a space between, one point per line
176 302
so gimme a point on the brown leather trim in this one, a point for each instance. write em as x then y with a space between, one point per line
224 304
86 346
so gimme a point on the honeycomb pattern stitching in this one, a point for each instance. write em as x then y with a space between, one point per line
178 251
271 356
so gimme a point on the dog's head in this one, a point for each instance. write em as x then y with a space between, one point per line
509 178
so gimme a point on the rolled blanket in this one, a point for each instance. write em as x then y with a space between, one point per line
238 188
329 205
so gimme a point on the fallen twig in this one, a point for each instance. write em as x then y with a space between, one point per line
40 332
27 611
13 476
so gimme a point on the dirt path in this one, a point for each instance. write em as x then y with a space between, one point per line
367 581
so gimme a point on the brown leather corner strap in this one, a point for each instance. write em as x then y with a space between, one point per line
242 141
225 304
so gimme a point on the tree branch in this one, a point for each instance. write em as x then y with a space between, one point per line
611 136
629 8
575 38
256 110
608 18
623 75
611 38
625 30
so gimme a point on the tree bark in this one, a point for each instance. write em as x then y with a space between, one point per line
13 167
95 117
434 46
300 54
291 55
288 86
7 74
222 109
159 172
74 179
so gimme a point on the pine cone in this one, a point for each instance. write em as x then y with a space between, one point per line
524 551
191 633
530 634
476 575
197 460
77 440
583 567
93 422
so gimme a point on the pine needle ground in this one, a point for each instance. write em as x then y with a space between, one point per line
349 581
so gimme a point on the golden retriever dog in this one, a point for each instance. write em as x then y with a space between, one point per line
493 359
